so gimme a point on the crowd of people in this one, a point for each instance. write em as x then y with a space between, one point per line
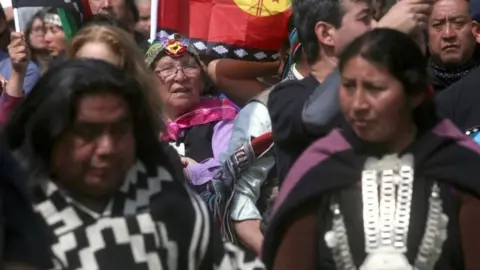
357 149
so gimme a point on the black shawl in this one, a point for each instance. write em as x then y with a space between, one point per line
443 154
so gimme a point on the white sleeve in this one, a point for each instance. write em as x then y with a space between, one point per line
252 121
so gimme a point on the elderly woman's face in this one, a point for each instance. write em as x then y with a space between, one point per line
180 82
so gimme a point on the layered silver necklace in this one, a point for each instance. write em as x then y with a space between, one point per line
387 188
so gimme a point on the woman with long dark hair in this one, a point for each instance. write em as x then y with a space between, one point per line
396 189
35 37
102 180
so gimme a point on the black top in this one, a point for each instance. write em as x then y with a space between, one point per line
461 101
334 165
285 106
23 234
198 141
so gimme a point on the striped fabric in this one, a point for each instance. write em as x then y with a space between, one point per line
153 222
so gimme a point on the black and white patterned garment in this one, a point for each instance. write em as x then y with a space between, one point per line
151 223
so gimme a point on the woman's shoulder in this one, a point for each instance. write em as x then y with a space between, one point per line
447 130
450 156
318 152
324 166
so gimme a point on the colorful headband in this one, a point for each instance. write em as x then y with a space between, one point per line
173 46
295 45
294 41
64 20
52 18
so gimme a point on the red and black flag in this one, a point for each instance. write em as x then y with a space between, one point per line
239 29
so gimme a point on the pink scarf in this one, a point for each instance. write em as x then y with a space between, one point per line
209 110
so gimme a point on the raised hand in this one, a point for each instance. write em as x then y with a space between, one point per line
18 52
407 16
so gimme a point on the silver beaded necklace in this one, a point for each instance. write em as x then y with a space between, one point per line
387 188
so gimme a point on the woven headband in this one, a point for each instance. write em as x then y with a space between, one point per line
173 46
64 20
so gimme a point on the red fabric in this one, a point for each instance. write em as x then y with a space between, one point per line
7 105
223 21
87 11
262 143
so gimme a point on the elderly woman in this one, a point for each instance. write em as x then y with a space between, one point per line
199 124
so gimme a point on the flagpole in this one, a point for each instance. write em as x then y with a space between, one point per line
154 19
16 20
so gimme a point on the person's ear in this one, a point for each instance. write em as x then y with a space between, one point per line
325 33
476 30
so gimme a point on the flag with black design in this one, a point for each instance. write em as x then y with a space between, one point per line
27 8
239 29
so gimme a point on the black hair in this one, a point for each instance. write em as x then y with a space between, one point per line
5 35
386 48
51 108
3 16
132 7
29 27
291 24
382 7
307 13
105 19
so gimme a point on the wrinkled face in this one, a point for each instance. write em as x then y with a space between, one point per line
37 36
373 102
451 41
357 20
143 25
55 39
180 83
101 51
92 157
112 7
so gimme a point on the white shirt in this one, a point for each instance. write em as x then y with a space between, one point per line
296 73
252 121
